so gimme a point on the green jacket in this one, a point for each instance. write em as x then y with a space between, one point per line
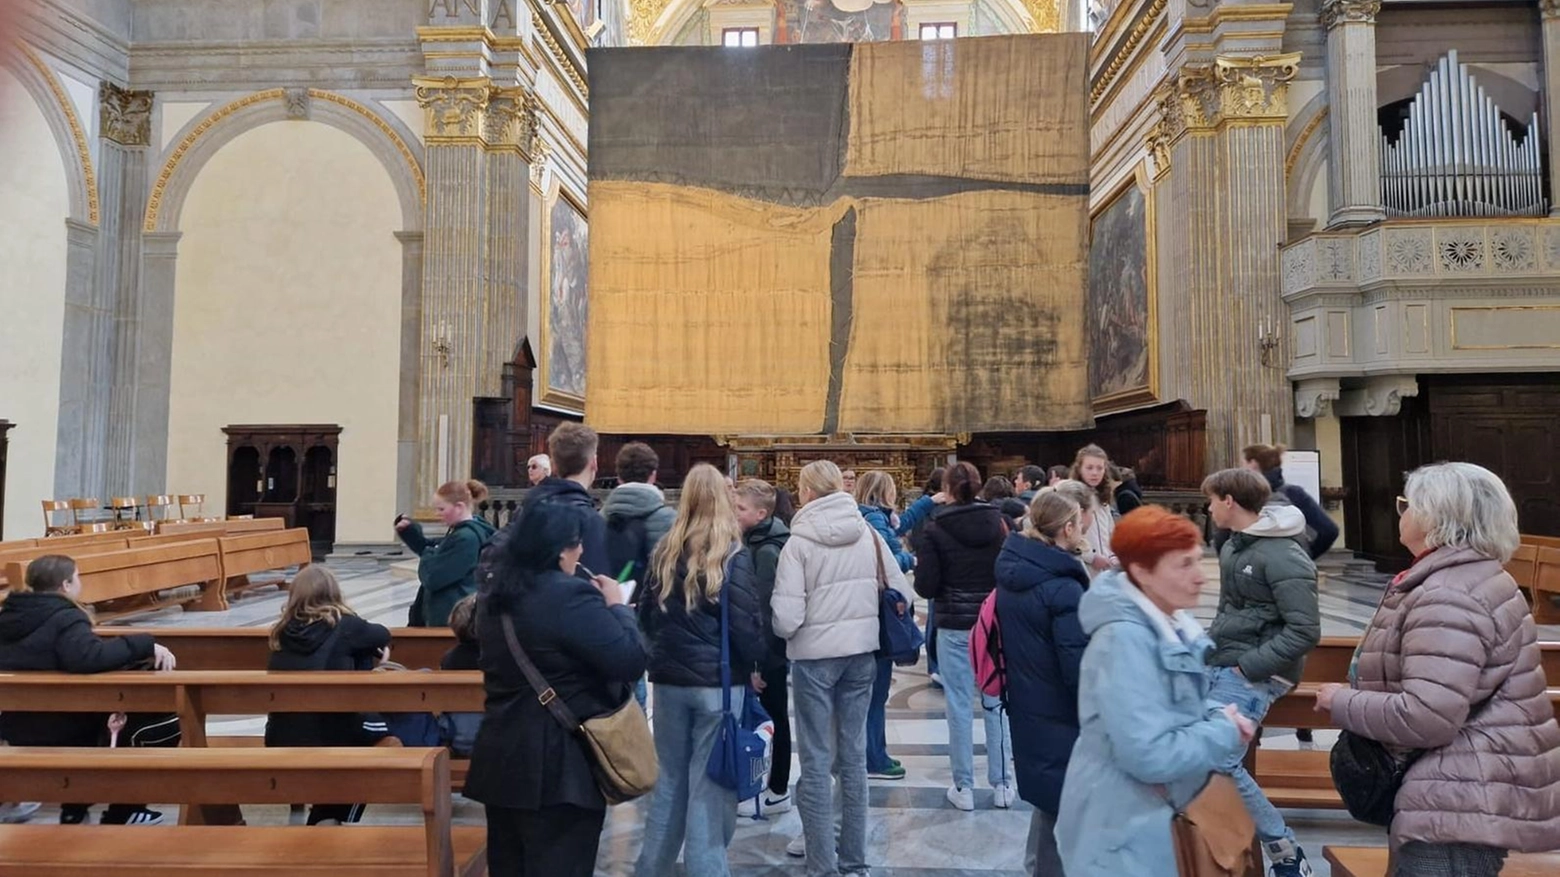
1268 618
448 569
766 540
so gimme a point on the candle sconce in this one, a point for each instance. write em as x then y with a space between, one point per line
1267 343
441 344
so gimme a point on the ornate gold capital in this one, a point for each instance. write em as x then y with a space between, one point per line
642 15
1256 88
125 116
1336 12
1550 9
1167 129
477 112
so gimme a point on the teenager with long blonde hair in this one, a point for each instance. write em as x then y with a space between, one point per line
699 565
319 631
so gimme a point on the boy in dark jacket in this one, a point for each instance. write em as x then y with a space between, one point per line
1268 621
765 536
1269 461
460 729
572 447
43 628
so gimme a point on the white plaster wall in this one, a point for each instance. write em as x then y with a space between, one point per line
288 310
34 202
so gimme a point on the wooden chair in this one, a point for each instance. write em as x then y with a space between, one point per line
91 507
50 507
198 500
161 501
127 512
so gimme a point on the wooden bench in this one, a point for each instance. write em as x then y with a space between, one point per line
198 695
1372 862
219 528
230 777
1329 661
131 580
62 543
248 648
1546 584
244 554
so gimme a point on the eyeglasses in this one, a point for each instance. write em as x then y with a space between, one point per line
1402 506
532 466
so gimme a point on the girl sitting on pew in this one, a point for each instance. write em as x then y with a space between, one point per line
318 631
42 627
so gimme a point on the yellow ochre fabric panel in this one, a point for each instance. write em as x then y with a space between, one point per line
1010 108
709 313
968 315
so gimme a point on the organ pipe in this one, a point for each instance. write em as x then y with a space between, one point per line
1456 157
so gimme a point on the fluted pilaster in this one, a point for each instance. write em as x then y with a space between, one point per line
1551 33
1354 141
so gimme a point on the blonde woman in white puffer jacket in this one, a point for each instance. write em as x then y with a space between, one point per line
826 609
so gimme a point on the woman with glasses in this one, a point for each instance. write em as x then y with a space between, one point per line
1448 678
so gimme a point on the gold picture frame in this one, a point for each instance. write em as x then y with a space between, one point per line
1117 380
561 374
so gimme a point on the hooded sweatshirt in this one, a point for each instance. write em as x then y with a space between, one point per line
48 631
958 562
1268 618
826 586
350 644
636 501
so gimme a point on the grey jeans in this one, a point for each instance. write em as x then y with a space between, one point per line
830 697
1417 859
1040 856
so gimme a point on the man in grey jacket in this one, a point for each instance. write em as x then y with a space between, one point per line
1268 621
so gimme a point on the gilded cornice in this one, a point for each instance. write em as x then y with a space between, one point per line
1276 12
1336 12
642 16
1129 46
125 116
78 134
565 62
1047 15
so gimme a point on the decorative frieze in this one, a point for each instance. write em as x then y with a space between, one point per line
125 116
1339 12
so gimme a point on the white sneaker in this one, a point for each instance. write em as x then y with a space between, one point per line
937 679
964 799
1004 796
797 848
773 804
11 814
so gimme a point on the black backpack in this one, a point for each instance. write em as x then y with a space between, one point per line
628 546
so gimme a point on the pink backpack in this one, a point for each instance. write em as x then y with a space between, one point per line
986 650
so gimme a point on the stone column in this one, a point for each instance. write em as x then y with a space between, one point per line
1551 14
154 369
1354 141
83 365
411 360
1220 140
125 126
474 246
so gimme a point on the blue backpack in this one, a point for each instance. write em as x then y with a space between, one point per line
899 639
740 760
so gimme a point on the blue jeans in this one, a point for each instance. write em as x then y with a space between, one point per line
830 697
958 674
688 805
1253 699
877 718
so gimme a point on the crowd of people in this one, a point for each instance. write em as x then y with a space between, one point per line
1105 704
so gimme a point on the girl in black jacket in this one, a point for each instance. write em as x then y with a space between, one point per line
699 564
544 810
956 570
318 631
1039 583
42 627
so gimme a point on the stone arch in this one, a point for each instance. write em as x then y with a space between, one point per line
1308 154
204 136
43 86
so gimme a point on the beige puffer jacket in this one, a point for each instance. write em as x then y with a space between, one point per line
1453 634
826 587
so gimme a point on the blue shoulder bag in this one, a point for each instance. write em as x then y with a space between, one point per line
740 760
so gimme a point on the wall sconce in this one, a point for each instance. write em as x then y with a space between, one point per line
1267 342
441 343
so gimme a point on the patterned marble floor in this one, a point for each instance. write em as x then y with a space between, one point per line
913 831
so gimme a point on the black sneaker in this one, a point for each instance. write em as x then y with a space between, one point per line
74 817
138 817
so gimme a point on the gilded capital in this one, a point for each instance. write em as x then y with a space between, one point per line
453 107
1336 12
1256 87
1550 9
125 116
502 121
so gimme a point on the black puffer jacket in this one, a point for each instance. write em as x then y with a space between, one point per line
355 647
50 632
958 561
685 643
553 491
766 540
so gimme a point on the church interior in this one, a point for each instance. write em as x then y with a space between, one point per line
753 234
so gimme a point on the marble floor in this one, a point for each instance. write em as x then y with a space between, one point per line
913 830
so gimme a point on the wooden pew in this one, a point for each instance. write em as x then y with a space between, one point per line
246 553
198 695
229 776
131 579
1546 584
247 648
218 528
66 544
27 555
1372 862
1329 661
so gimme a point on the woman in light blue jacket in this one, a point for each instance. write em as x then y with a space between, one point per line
1146 729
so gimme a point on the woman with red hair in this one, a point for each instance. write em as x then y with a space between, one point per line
1147 741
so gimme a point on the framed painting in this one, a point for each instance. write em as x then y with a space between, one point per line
1123 317
564 313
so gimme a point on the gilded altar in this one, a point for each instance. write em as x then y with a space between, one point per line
779 459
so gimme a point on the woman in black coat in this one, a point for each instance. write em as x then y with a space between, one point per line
955 568
1039 583
544 810
44 628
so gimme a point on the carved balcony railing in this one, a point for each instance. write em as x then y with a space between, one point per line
1471 251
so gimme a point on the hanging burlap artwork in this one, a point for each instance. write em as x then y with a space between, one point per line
897 246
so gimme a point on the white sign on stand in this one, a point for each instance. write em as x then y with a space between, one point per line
1304 468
